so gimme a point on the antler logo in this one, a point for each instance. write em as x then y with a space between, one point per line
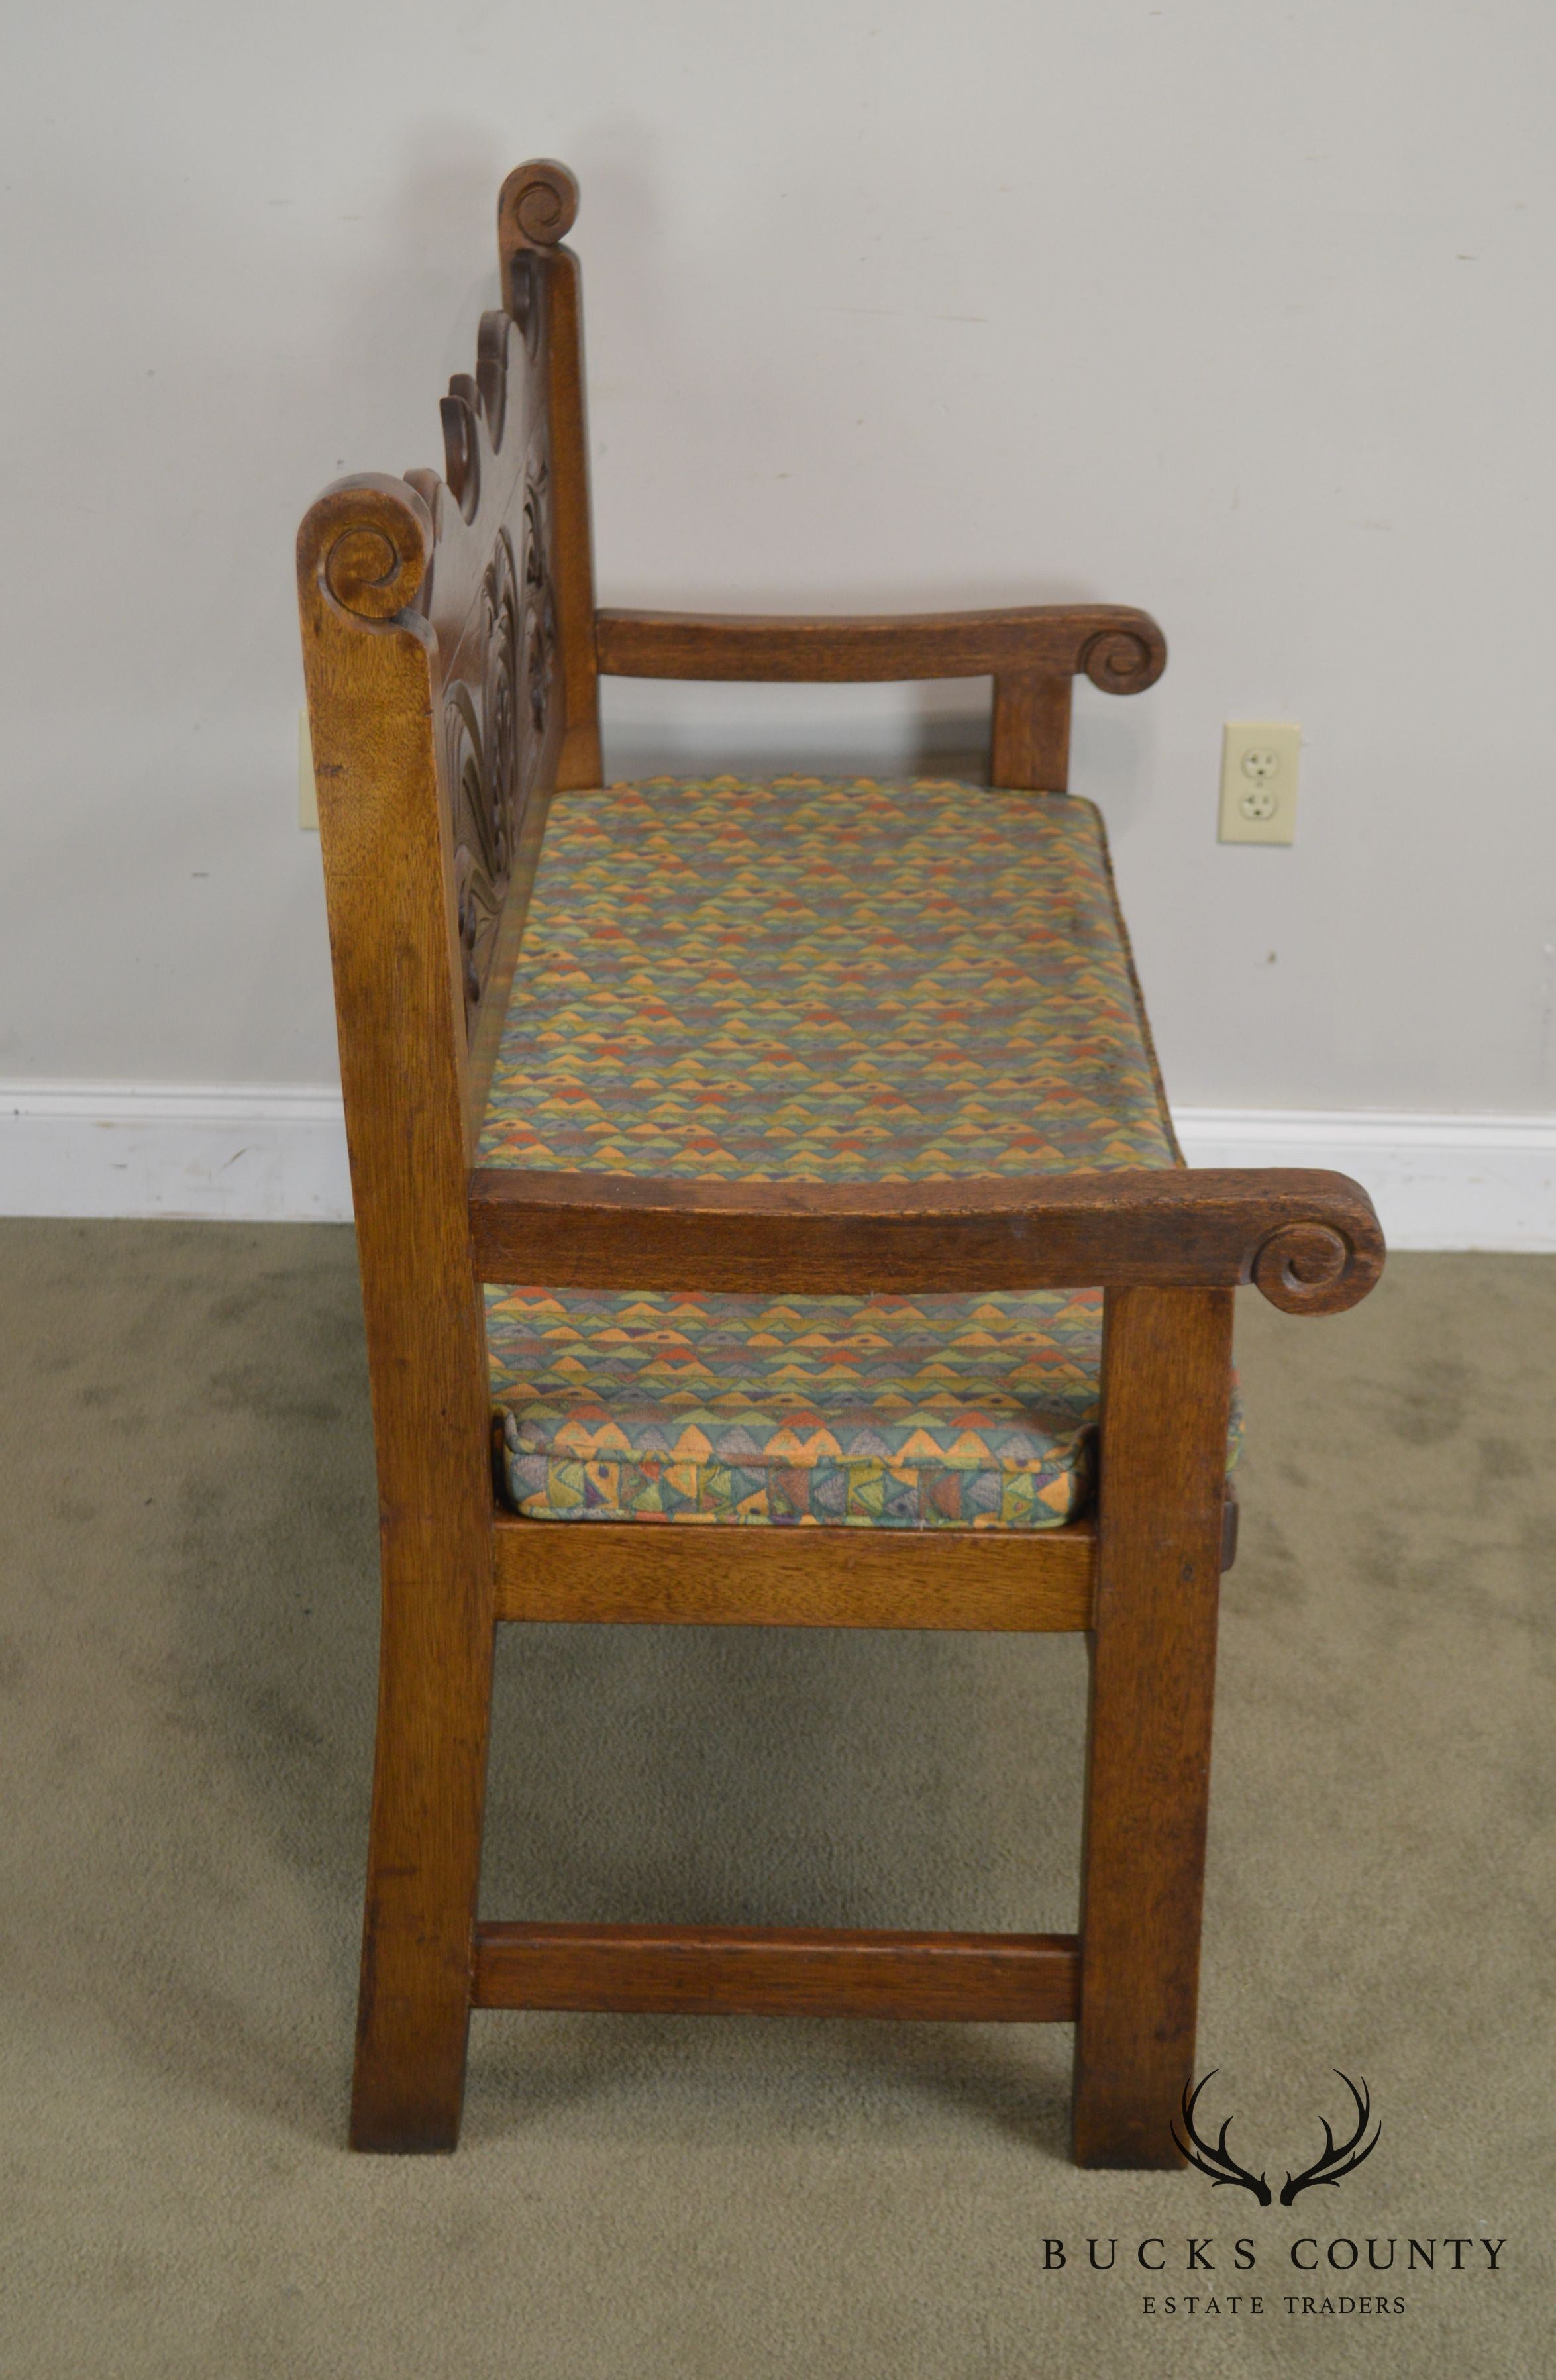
1335 2161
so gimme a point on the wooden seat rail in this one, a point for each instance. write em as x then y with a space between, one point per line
677 1573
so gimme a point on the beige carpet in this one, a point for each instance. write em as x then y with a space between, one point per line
188 1668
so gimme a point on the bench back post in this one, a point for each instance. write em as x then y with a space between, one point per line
535 211
371 663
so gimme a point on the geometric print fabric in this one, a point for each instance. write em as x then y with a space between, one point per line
924 1412
822 981
826 980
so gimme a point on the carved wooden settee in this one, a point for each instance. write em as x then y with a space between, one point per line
786 1158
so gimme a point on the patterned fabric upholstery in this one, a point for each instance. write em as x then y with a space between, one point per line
824 981
929 1413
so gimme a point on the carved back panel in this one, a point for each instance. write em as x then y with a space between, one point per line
490 599
489 568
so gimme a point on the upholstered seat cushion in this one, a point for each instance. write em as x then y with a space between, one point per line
890 1411
828 981
813 981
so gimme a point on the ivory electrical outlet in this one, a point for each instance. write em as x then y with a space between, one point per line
1258 761
307 792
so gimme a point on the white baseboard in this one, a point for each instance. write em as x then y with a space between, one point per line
240 1153
1437 1180
261 1153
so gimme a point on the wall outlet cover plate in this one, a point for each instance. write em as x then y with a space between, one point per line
1259 769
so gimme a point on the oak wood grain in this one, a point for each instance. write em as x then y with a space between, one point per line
767 1970
1311 1239
452 649
1120 649
487 1028
724 1576
1030 744
535 211
399 1000
1166 1389
431 609
490 593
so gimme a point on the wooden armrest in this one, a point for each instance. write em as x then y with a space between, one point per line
1309 1241
1032 654
1120 649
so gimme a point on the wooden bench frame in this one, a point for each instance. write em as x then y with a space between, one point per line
453 646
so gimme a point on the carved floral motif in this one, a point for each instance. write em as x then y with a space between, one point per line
495 731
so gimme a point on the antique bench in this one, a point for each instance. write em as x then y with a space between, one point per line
769 1214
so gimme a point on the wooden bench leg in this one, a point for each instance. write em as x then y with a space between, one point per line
1166 1386
424 1851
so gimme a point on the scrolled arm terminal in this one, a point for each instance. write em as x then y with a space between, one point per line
1301 1266
366 544
1125 661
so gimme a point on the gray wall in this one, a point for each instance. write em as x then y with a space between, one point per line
1237 311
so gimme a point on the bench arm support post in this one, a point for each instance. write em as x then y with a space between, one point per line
1033 654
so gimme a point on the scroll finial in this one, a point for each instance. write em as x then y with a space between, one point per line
1309 1268
368 540
536 207
1126 660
